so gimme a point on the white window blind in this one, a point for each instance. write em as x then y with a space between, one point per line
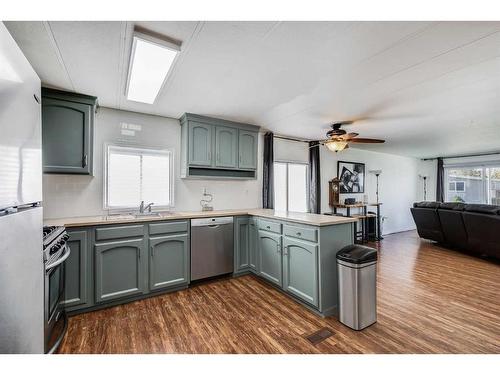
138 174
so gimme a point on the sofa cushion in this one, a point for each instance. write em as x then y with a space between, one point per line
482 233
427 222
426 204
455 206
483 208
453 227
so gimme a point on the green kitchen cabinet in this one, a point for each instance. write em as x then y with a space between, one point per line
120 269
200 144
226 147
67 132
241 243
300 269
270 257
214 148
247 149
77 270
169 261
253 241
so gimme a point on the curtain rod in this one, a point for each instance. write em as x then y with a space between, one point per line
464 156
290 139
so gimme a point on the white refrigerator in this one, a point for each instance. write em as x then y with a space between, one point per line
21 221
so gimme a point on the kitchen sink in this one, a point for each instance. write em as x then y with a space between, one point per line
148 214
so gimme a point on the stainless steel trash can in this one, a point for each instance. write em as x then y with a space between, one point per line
357 272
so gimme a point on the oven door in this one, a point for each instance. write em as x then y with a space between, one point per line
54 295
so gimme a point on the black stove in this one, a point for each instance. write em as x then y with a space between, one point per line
54 242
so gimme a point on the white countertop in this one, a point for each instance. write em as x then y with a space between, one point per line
301 218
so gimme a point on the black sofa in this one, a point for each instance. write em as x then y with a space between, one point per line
469 227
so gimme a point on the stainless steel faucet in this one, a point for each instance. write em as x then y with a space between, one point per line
143 208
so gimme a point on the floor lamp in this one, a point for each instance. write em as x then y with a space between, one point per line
377 173
424 177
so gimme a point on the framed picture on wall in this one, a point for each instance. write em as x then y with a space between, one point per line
351 176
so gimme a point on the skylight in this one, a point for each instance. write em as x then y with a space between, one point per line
150 62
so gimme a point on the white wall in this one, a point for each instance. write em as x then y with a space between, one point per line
73 195
398 184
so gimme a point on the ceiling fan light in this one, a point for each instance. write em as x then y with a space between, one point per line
336 146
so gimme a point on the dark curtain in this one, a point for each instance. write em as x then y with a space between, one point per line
314 181
268 170
440 181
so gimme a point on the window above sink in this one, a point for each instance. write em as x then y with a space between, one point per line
136 174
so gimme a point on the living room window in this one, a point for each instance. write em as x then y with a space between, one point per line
138 174
291 191
473 184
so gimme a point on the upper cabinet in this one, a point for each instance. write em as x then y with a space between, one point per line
215 148
67 132
247 145
200 144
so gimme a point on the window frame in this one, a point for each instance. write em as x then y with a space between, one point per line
142 150
485 179
308 192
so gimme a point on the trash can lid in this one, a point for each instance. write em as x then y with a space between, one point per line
357 254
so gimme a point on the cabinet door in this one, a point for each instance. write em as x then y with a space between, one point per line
241 241
200 144
119 269
253 245
168 265
300 270
247 146
76 269
270 257
226 145
66 136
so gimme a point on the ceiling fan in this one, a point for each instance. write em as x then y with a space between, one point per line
338 139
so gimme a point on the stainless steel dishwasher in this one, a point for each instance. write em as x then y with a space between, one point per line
212 247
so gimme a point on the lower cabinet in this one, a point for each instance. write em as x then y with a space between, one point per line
169 261
300 269
270 257
241 244
77 269
253 240
120 269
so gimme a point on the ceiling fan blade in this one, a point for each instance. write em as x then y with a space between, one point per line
349 136
366 140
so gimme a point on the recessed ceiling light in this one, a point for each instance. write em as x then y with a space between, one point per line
150 61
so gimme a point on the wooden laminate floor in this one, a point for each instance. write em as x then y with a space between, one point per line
430 300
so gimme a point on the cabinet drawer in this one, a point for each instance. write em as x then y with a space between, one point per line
165 228
270 226
308 234
124 231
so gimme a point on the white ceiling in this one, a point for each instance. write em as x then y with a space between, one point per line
428 88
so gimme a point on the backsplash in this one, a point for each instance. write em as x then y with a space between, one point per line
77 195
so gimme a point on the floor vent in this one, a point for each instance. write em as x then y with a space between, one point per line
319 336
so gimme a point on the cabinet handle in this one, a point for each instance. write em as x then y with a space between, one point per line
299 234
285 248
152 251
139 254
278 247
84 162
268 227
